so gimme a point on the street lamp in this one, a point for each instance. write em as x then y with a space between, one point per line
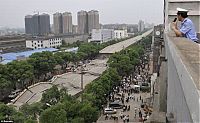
82 82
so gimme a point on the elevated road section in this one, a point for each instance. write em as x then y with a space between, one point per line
124 44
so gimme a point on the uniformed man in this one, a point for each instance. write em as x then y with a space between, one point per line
187 28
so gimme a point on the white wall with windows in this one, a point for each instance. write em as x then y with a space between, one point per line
120 34
101 35
44 43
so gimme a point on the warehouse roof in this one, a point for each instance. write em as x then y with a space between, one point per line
9 57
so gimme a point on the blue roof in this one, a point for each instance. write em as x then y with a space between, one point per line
9 57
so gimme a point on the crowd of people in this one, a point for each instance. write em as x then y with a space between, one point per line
131 98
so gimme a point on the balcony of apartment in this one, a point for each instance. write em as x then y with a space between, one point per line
183 76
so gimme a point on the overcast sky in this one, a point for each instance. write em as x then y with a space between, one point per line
12 12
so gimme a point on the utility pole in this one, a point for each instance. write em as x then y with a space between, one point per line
82 77
82 83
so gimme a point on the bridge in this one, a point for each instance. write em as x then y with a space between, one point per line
124 44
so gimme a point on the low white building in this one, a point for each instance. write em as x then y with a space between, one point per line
101 35
38 43
120 34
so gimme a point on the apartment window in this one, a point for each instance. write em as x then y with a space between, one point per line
41 45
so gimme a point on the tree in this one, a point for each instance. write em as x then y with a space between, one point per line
31 111
63 58
89 113
9 113
30 121
43 63
123 64
20 72
51 96
54 114
5 87
78 120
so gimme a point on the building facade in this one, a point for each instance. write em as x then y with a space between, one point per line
67 23
75 29
57 23
37 24
28 24
39 43
141 26
101 35
44 24
82 22
119 34
93 20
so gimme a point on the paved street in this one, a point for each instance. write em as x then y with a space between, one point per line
131 113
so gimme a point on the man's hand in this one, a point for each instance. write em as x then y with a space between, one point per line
174 25
175 29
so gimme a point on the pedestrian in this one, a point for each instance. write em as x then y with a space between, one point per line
140 97
129 107
140 113
106 118
121 115
124 119
127 118
124 109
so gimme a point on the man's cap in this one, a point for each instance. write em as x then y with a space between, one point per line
181 10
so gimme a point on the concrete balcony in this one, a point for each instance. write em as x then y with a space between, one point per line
183 86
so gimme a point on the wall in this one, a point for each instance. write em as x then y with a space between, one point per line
73 39
182 93
44 43
120 34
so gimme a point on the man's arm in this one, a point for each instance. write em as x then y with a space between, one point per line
177 32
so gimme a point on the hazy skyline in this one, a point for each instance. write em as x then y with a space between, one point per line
12 12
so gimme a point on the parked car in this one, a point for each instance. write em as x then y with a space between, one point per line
110 111
14 94
116 105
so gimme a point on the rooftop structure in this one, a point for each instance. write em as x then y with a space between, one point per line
9 57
